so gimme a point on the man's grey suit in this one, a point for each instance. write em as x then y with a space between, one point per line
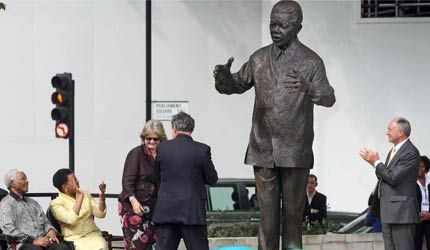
399 205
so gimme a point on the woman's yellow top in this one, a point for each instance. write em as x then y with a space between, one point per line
75 226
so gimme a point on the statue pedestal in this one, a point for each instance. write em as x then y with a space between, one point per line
368 241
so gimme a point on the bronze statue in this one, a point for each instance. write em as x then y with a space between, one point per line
288 79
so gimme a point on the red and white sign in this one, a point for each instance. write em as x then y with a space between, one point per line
61 130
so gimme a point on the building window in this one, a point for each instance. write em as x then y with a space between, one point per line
395 8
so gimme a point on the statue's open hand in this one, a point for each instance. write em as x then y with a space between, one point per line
295 82
222 72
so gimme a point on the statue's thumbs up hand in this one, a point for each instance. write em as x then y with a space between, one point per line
229 62
223 71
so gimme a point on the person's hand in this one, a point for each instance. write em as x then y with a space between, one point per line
76 188
137 207
102 187
52 236
79 193
295 82
425 215
42 242
222 72
314 211
369 155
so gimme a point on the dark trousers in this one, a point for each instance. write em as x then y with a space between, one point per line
195 236
423 229
274 184
55 246
398 236
3 245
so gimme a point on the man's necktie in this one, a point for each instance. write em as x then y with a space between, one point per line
392 153
390 157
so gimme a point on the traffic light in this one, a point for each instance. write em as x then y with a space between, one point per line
63 98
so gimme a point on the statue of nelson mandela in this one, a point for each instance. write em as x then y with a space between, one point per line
288 80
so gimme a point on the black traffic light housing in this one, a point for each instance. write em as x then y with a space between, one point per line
63 98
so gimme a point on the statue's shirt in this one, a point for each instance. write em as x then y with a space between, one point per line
282 123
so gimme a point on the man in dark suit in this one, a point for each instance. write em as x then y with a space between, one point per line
316 203
184 166
397 186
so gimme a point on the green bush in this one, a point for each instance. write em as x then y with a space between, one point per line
314 227
246 229
222 225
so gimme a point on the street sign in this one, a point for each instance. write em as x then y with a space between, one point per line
164 110
62 130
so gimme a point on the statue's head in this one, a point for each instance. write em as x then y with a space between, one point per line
285 22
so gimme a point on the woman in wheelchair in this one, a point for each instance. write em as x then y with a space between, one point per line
75 209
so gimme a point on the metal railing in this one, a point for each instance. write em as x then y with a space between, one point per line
395 8
357 225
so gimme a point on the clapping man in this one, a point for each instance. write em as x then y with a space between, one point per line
397 186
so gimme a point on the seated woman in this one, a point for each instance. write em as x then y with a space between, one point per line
75 209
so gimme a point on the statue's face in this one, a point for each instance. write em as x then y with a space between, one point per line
283 29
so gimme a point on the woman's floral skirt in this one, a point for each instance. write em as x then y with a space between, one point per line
139 231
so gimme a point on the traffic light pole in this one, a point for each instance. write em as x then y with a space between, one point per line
64 112
72 130
148 60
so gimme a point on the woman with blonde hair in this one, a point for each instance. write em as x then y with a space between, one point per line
139 189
